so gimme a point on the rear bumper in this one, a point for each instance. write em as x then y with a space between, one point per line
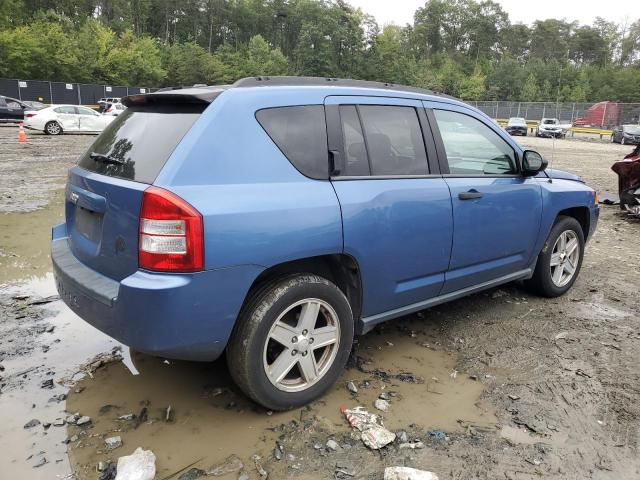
179 316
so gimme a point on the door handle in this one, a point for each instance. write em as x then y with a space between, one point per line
470 195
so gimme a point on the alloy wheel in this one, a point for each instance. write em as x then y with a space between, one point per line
564 258
302 344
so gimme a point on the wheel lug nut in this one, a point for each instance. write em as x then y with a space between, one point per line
304 332
294 340
294 353
311 340
304 354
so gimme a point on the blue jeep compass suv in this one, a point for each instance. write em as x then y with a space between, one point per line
275 218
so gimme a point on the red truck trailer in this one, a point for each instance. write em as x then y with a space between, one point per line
601 114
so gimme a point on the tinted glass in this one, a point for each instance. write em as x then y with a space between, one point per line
141 138
394 140
67 109
14 105
355 152
3 102
472 147
301 134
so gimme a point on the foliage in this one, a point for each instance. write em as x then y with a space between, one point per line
466 48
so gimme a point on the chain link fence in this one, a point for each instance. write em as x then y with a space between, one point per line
601 114
61 92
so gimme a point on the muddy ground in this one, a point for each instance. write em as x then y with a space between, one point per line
502 384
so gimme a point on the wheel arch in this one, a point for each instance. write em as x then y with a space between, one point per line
581 214
340 268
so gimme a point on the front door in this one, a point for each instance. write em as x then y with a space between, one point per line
396 210
68 117
496 210
90 120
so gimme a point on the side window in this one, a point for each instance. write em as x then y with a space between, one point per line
472 147
65 109
3 102
355 151
14 105
301 134
87 111
394 140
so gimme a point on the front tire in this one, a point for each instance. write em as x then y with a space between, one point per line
560 260
291 342
52 128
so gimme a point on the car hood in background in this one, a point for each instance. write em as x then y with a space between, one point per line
559 175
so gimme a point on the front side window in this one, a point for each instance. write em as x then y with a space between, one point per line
472 147
300 132
87 111
394 140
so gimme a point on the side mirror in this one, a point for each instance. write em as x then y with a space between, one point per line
532 163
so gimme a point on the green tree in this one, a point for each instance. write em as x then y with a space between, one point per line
473 87
530 91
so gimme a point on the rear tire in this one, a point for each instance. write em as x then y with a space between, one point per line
291 342
560 260
52 128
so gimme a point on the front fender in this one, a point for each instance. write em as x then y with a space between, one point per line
559 195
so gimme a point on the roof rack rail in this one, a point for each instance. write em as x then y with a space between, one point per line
330 81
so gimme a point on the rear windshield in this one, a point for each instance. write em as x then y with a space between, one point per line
139 141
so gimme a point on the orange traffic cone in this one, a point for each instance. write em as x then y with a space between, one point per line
22 136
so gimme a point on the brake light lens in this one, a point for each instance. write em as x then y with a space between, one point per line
171 233
29 115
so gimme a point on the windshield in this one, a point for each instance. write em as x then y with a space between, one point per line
632 129
517 121
548 121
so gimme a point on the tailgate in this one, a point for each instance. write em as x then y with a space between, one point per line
104 192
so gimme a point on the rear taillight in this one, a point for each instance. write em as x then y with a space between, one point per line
29 115
109 110
171 233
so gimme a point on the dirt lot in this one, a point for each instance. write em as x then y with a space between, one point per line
499 385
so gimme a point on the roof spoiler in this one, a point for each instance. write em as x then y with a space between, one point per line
194 96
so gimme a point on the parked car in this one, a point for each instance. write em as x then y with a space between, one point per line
109 100
628 171
273 220
58 119
550 127
12 110
626 134
517 126
114 109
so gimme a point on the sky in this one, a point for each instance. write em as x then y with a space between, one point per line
524 11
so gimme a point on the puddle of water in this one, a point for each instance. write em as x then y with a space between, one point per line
25 240
213 421
20 403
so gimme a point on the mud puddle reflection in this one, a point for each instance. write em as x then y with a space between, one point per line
25 240
32 355
210 420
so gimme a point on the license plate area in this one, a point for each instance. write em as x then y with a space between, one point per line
88 224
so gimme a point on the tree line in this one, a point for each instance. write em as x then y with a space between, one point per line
466 48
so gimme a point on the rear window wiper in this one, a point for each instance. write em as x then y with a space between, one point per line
100 157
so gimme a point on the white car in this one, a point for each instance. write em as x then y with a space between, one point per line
114 109
58 119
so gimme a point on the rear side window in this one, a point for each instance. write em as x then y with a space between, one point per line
394 140
138 143
301 134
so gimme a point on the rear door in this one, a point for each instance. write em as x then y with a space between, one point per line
396 209
496 210
68 117
103 198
